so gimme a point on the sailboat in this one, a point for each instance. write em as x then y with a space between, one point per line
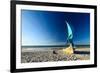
70 49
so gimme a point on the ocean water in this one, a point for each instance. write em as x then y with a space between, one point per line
41 48
52 47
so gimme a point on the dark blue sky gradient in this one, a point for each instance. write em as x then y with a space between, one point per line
49 28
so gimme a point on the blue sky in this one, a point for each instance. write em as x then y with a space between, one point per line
49 28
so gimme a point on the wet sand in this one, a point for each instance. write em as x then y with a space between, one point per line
29 55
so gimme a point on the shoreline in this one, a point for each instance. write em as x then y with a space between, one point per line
29 55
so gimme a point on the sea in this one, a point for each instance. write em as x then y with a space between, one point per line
39 48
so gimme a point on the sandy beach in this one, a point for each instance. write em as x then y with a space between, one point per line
29 55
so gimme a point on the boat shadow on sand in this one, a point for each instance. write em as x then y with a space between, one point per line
81 52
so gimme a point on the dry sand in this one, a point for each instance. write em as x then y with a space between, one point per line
29 55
